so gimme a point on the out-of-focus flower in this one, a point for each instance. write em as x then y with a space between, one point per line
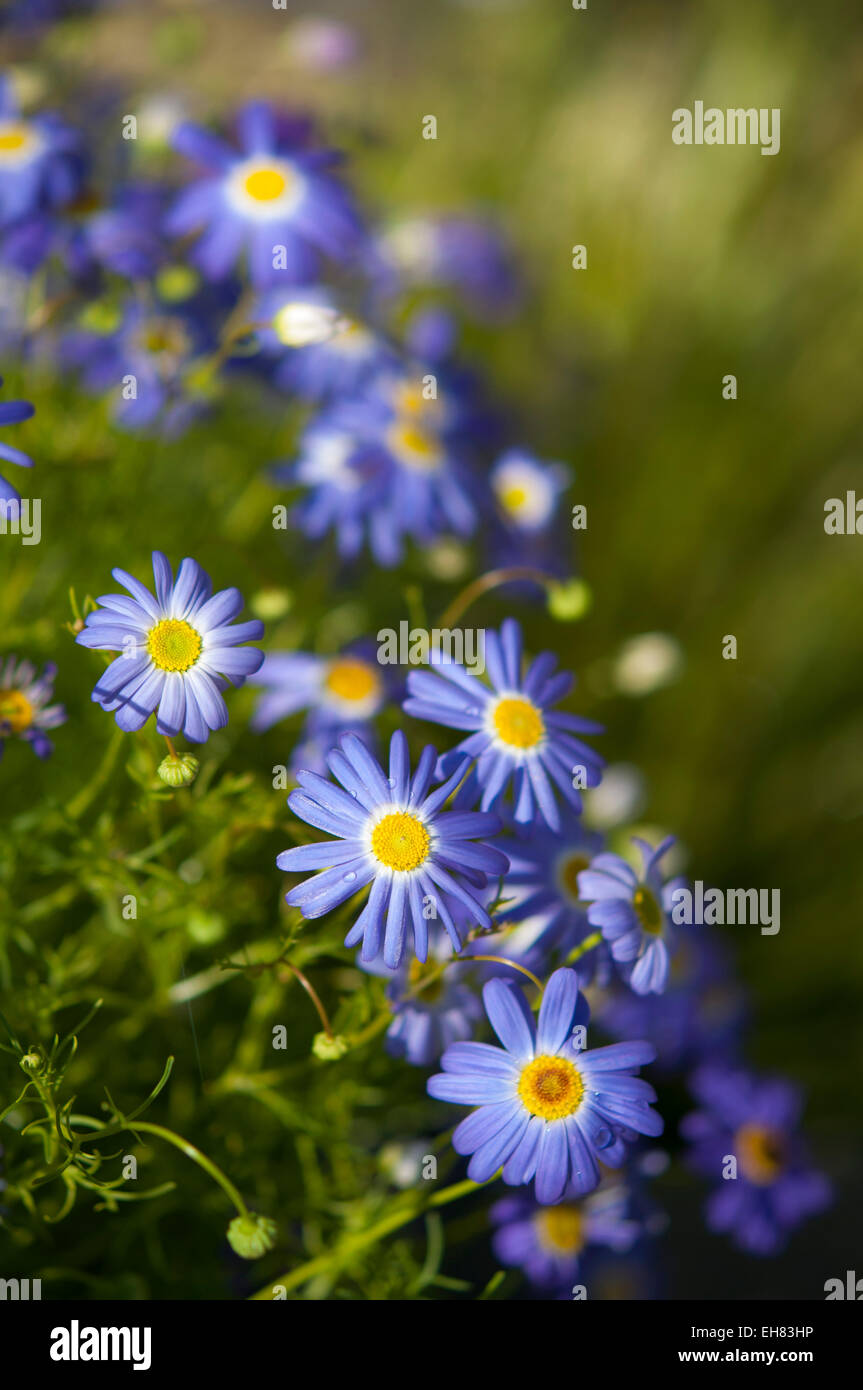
633 913
527 490
321 45
40 161
178 650
753 1120
25 711
543 882
619 798
431 1008
550 1243
274 202
700 1014
393 835
547 1111
143 355
468 254
647 663
342 694
12 413
322 351
516 736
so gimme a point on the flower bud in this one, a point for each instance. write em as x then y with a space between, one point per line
179 772
329 1049
570 601
252 1235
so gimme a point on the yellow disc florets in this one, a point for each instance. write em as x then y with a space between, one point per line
400 841
569 866
647 910
16 712
266 184
517 722
561 1228
760 1153
550 1087
351 679
173 645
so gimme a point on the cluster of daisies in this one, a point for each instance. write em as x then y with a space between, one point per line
466 877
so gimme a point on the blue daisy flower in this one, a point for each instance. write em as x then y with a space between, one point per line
322 351
275 192
633 913
40 161
142 355
755 1120
430 1010
342 694
393 835
699 1015
12 413
550 1243
543 883
25 711
547 1111
346 490
516 736
179 650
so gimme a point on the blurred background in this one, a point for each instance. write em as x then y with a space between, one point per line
705 515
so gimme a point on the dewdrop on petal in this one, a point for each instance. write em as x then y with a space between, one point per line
180 771
251 1236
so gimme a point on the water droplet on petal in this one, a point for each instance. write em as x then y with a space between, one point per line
349 878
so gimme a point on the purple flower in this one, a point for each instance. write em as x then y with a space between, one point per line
25 711
633 913
547 1111
273 201
515 734
744 1137
178 650
550 1242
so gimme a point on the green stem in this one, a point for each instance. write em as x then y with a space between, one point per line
145 1127
78 805
586 945
492 580
353 1244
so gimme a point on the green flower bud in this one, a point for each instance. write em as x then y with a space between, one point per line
252 1235
32 1062
329 1049
179 772
569 602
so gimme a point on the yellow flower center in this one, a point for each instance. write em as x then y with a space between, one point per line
760 1153
351 679
550 1087
570 867
561 1228
265 185
513 498
518 722
16 712
400 841
173 645
647 910
13 137
416 447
